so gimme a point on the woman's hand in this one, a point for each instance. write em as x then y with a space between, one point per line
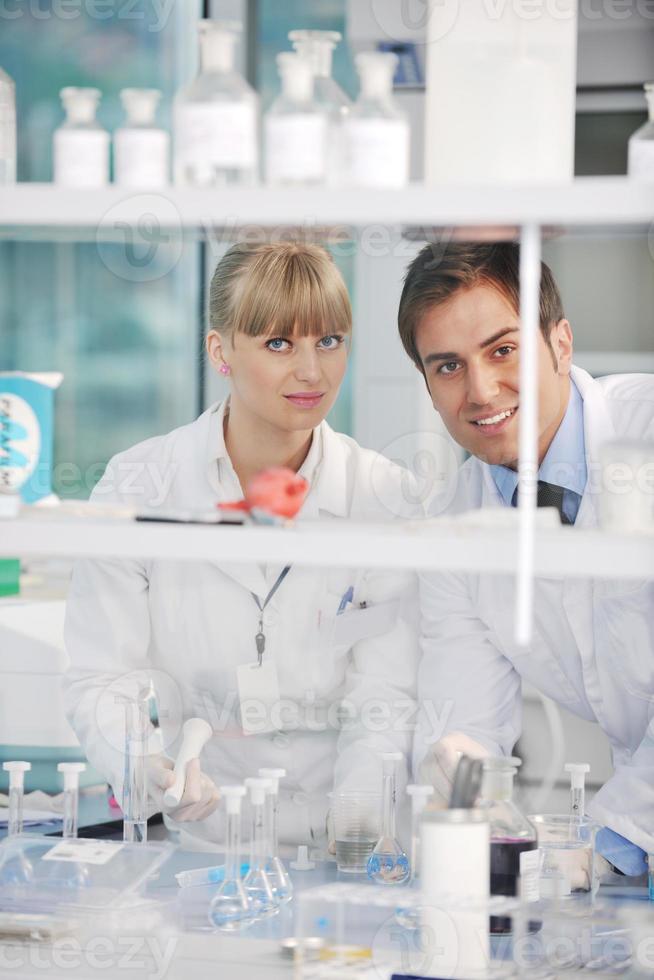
200 798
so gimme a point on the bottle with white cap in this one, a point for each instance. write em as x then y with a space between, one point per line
7 129
81 145
577 771
71 772
641 143
319 46
295 127
141 148
277 873
216 116
376 130
16 772
231 909
257 884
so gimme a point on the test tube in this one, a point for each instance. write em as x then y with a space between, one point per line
137 728
577 772
419 794
16 772
71 771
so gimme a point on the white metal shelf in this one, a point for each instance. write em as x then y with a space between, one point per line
336 543
104 214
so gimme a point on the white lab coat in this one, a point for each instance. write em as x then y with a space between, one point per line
191 624
593 642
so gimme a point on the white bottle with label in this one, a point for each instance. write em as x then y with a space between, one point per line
376 131
641 144
216 116
319 46
7 129
141 149
295 128
81 145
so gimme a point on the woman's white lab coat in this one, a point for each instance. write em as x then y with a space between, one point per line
593 641
190 625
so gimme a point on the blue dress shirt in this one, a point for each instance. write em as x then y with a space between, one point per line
564 465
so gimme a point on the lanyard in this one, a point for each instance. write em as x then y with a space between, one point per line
260 638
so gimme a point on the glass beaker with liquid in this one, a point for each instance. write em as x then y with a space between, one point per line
356 828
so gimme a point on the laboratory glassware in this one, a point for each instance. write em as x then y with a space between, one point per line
257 884
231 908
650 876
513 839
419 795
295 127
388 864
376 131
356 818
195 735
16 772
216 116
7 129
81 145
567 849
641 143
71 771
141 148
578 771
207 876
279 877
137 729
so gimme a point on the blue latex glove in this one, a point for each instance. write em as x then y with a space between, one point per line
621 853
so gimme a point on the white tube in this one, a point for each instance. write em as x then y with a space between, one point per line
197 733
577 772
16 772
530 248
71 771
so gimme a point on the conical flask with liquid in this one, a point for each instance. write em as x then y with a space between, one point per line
279 877
388 864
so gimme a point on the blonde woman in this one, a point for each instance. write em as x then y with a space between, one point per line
335 686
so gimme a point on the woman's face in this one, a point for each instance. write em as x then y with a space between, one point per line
290 383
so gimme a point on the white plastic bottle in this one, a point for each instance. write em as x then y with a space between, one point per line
295 128
7 129
319 46
376 131
141 149
641 144
81 145
216 116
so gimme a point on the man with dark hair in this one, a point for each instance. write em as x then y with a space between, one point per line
593 640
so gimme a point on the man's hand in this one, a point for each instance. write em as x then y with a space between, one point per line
201 796
439 765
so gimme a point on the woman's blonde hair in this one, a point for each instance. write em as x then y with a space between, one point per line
282 288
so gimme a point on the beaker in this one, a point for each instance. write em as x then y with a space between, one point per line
356 828
567 848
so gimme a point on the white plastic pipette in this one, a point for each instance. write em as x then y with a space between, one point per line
197 733
577 772
71 771
16 772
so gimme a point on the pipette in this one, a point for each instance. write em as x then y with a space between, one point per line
196 734
16 772
577 772
71 771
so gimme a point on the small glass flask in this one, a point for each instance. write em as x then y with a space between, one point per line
388 864
257 884
277 873
231 909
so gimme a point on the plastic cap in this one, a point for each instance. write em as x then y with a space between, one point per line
16 766
577 772
258 788
274 775
232 796
318 46
80 103
302 862
376 70
140 104
71 771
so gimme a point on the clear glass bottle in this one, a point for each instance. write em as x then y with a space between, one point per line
230 909
7 129
141 148
641 143
376 131
216 116
257 884
81 145
512 871
280 879
295 128
388 864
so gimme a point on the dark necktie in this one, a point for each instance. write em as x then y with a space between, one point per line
549 495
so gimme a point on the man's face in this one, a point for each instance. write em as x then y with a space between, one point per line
469 347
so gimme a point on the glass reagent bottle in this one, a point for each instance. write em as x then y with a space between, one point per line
141 148
295 127
81 145
376 131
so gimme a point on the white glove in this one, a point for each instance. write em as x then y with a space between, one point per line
439 765
201 796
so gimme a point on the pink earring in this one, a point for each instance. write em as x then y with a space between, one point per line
225 369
